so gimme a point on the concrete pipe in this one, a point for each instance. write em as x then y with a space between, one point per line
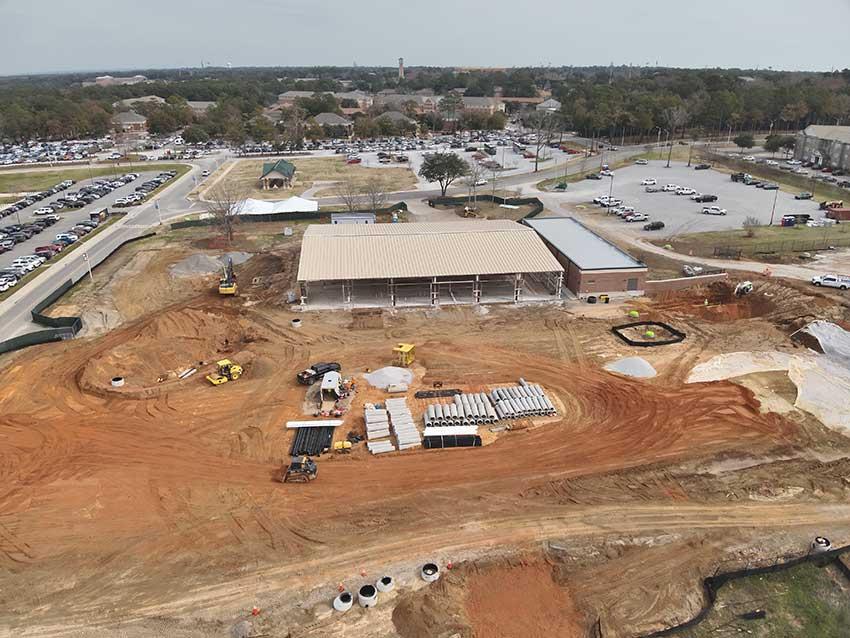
522 382
117 382
438 412
512 392
499 411
538 390
458 401
343 602
430 572
821 544
295 323
367 596
430 411
385 584
521 392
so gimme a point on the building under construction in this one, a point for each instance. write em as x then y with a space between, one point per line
463 262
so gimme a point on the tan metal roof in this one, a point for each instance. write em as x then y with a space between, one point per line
380 251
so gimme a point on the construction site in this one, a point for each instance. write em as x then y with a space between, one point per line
209 459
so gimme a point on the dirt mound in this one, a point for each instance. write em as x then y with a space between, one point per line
165 346
515 598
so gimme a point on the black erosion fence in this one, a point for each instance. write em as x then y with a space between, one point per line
289 217
57 328
535 203
713 584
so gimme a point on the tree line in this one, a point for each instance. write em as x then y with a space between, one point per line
614 102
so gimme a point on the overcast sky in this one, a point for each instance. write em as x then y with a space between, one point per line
90 35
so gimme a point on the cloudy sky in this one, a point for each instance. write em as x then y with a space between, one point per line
89 35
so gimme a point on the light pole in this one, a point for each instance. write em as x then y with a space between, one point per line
773 211
610 194
158 213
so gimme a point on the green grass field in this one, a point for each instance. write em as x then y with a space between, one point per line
803 602
39 180
768 240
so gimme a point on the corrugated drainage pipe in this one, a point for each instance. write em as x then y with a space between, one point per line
367 596
385 584
343 602
430 572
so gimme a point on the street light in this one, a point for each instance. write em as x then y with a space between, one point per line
773 212
610 193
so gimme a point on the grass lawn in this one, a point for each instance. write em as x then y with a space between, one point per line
803 602
246 175
769 242
39 180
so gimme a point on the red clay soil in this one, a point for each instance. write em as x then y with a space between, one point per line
520 601
150 495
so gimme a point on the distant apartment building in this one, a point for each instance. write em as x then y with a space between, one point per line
362 99
130 122
130 102
421 104
488 105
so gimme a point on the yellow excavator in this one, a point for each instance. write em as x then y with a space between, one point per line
227 282
226 370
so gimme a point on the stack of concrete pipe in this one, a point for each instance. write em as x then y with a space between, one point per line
401 420
378 430
464 409
520 401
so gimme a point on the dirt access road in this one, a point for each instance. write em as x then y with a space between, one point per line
164 495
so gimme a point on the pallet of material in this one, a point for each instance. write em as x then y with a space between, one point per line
380 447
406 432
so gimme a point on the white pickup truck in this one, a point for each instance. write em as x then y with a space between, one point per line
833 281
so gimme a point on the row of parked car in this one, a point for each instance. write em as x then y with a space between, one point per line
651 186
87 194
36 197
12 274
616 207
145 189
35 152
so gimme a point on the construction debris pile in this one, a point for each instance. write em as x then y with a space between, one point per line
523 400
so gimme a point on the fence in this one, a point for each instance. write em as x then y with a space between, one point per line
287 217
536 204
712 584
781 246
59 328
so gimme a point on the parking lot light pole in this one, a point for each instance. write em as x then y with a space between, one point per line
610 193
773 212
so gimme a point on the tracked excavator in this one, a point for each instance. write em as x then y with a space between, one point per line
227 282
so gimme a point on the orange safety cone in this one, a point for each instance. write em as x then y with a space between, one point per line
449 565
255 611
363 572
340 588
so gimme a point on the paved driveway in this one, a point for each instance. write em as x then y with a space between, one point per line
679 213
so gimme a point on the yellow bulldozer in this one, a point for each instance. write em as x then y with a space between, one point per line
226 370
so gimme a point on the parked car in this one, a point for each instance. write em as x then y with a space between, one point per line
670 188
654 226
641 162
636 217
713 210
653 189
770 186
593 176
685 191
803 195
649 181
606 173
832 281
705 197
44 210
702 167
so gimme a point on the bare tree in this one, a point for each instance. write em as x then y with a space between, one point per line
224 203
350 195
476 174
675 117
375 194
545 124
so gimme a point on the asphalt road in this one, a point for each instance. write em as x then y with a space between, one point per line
16 310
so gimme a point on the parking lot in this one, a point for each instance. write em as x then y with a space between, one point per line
678 212
69 217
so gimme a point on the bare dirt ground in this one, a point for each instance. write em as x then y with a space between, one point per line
154 508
